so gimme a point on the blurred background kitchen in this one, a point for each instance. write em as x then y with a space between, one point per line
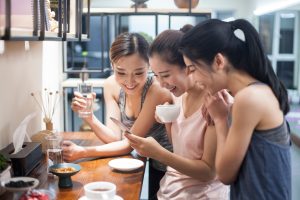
28 65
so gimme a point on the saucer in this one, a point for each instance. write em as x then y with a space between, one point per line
125 164
20 189
116 198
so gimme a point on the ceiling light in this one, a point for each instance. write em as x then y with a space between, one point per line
275 6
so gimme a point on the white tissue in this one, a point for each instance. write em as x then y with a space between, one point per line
20 132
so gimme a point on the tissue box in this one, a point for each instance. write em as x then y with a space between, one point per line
25 160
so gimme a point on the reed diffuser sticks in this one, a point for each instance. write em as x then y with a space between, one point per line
47 102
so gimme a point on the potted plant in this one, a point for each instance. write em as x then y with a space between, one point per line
4 171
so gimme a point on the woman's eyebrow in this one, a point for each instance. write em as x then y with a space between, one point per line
191 65
140 69
164 72
123 69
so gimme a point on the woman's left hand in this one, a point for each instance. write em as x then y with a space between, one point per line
72 151
147 147
218 105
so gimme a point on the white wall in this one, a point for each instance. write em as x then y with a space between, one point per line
23 72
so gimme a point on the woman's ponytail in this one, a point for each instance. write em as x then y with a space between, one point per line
257 63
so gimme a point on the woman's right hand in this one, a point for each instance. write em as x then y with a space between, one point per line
147 147
78 101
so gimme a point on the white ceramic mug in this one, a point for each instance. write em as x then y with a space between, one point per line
167 113
100 190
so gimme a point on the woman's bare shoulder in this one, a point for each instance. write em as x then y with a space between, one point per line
256 99
111 86
110 81
159 94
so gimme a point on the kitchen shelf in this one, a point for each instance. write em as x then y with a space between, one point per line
69 13
133 11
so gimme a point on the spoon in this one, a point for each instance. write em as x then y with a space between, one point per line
122 126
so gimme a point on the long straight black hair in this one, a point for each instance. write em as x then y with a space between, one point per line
246 54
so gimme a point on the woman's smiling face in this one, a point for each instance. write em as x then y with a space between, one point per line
170 76
131 73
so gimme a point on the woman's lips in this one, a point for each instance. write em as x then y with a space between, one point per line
130 87
172 89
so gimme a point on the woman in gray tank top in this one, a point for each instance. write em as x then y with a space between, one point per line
130 96
253 151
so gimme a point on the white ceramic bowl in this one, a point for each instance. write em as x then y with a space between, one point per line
167 113
100 190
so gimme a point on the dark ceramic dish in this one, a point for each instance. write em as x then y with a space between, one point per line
64 180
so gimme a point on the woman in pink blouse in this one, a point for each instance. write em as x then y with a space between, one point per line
191 168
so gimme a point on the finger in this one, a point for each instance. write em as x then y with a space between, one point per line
94 95
220 96
80 103
157 118
77 94
132 138
134 146
166 103
67 143
225 95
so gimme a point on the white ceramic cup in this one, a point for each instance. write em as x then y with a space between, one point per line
100 190
167 113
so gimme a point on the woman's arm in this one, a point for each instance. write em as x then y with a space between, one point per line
141 127
72 152
203 169
233 141
146 117
109 132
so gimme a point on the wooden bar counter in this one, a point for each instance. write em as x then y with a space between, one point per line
129 184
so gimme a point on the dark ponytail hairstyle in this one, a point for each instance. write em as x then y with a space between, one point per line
214 36
166 45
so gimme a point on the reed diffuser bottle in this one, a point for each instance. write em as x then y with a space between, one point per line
47 102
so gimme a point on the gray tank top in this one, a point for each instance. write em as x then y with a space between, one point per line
158 131
265 173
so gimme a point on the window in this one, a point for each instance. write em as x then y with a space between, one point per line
278 32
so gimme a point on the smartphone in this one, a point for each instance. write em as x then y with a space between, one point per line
122 126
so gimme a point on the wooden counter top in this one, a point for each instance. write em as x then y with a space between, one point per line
129 184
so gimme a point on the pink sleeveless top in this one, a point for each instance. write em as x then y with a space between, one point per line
188 138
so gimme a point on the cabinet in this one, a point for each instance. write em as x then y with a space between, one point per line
58 20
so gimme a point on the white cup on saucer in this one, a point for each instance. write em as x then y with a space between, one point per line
168 112
100 190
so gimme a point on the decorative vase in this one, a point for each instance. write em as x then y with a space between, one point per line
40 136
186 3
139 3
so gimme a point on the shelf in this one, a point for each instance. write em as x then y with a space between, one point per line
107 23
36 19
133 11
